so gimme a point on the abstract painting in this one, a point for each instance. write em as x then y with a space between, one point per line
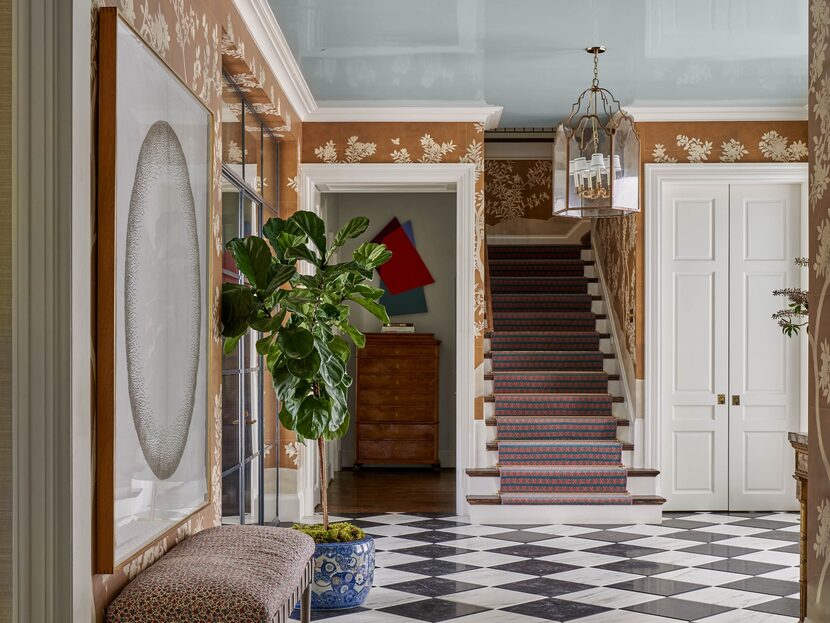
156 236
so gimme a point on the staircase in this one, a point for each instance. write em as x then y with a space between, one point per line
557 442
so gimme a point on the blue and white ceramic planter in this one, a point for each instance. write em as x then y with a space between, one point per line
343 574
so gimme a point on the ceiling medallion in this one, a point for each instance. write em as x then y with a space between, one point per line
596 156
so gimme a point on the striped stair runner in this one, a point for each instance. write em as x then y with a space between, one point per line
555 432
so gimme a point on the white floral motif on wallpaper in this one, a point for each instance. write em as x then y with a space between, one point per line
732 151
154 29
475 155
659 154
431 151
616 241
508 191
235 153
697 150
294 183
292 451
778 148
140 563
356 151
216 468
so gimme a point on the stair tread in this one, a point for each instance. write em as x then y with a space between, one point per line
626 446
493 472
611 377
635 499
492 397
539 353
492 421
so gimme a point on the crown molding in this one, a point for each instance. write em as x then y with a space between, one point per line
260 20
488 115
717 113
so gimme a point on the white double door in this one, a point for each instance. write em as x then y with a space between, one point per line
730 381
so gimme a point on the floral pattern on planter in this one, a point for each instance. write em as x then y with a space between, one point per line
343 574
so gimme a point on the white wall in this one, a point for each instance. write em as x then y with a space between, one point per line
433 223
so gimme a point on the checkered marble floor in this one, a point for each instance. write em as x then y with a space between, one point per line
705 567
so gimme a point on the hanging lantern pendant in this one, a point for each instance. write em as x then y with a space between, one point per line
596 156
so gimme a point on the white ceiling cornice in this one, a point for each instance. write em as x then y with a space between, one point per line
718 113
271 41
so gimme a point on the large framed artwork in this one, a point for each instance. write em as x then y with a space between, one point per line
153 275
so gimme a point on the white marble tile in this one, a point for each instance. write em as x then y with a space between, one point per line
713 518
680 557
492 597
476 530
772 557
385 577
572 543
788 574
391 559
706 577
648 529
380 597
791 528
562 530
744 616
620 616
609 597
480 543
582 559
392 543
662 542
371 616
494 616
731 529
782 517
593 576
488 577
753 542
727 597
483 559
391 530
393 518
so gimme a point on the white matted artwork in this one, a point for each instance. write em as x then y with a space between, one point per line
162 207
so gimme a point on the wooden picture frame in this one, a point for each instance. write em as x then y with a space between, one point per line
141 335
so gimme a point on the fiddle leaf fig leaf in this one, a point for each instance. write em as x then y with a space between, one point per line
357 337
350 230
278 275
295 342
313 227
340 348
238 306
282 234
373 307
307 367
370 255
312 417
253 259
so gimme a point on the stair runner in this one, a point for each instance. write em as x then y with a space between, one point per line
556 435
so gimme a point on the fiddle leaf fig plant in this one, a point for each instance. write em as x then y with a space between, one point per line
302 318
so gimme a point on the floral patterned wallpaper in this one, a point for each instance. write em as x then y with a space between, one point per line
196 39
619 243
818 409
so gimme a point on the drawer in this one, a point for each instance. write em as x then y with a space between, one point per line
393 451
389 350
387 365
405 382
404 413
405 396
410 432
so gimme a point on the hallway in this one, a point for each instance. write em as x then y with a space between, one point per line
703 567
388 489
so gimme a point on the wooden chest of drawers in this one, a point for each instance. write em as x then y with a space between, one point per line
397 399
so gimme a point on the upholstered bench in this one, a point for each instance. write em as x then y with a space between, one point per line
229 574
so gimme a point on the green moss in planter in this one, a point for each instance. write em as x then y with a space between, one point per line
336 532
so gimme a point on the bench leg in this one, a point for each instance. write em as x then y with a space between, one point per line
305 605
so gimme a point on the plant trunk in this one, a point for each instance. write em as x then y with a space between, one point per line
324 482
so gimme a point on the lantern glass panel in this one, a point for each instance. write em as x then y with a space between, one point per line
560 171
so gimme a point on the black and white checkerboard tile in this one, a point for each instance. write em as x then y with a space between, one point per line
704 567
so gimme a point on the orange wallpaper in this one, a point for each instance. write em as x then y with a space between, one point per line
196 38
619 243
818 402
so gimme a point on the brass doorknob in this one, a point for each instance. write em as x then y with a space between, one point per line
721 399
736 400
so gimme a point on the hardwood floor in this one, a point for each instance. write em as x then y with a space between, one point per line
379 490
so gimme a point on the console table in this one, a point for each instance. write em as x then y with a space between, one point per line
799 443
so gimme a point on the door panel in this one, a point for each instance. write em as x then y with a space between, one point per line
764 364
694 345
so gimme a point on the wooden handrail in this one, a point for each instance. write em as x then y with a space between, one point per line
488 295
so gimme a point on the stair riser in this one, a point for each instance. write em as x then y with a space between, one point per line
506 285
558 455
537 342
513 303
541 482
565 268
543 362
490 458
554 406
636 485
552 386
544 324
534 252
564 514
527 430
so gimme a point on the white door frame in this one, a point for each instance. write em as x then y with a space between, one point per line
457 178
656 175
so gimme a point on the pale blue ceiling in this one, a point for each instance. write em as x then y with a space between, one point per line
527 55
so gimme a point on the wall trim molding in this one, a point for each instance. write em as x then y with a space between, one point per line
718 113
369 177
518 151
260 20
656 175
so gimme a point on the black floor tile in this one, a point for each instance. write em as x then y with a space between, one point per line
433 610
767 586
721 551
535 567
675 608
611 536
434 566
545 586
555 610
765 524
435 536
795 548
657 586
434 524
787 607
625 550
779 535
433 587
747 567
639 567
702 537
433 551
528 550
522 536
684 524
